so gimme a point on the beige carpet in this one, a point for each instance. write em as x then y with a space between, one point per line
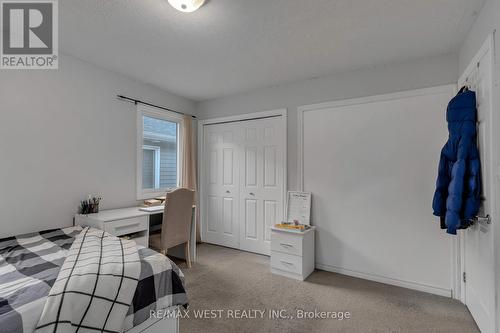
226 279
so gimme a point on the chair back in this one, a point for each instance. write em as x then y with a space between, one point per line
176 225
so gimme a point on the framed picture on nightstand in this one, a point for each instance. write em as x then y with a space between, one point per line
298 207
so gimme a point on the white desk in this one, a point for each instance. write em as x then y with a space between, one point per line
130 221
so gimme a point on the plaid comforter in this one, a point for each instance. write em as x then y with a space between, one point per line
30 264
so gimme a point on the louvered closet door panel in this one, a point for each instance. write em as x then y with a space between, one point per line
221 177
261 182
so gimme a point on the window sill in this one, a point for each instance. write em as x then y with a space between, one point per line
152 195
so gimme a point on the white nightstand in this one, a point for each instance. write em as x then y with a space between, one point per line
292 253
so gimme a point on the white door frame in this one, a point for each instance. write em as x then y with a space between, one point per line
488 45
242 117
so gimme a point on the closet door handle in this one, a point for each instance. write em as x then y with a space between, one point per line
481 219
228 192
251 193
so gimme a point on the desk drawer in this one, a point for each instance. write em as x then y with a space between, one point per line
126 226
286 262
286 243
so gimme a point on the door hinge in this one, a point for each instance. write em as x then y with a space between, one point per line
464 276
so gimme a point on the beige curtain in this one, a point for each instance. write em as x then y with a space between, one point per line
189 164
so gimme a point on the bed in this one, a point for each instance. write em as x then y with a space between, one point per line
31 263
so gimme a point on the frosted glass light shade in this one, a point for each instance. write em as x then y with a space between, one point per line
186 6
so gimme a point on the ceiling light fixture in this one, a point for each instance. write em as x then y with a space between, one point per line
186 6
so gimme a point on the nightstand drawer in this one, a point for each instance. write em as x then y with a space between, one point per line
286 262
126 226
286 242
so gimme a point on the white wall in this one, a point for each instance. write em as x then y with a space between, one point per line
63 135
371 165
372 81
487 21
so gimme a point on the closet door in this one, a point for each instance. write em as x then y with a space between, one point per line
261 182
221 224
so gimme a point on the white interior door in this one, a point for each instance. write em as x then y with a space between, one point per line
261 182
478 261
221 147
243 176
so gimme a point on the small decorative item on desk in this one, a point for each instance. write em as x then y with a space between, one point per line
152 203
90 206
162 198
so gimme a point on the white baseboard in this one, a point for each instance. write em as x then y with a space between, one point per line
387 280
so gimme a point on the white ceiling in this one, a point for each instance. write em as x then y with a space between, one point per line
229 46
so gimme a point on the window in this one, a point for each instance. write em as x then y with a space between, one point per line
158 151
151 166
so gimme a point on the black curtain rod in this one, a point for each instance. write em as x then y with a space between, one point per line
135 101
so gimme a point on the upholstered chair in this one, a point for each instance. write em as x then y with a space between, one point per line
176 225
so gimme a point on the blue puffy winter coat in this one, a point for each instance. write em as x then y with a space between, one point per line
458 194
